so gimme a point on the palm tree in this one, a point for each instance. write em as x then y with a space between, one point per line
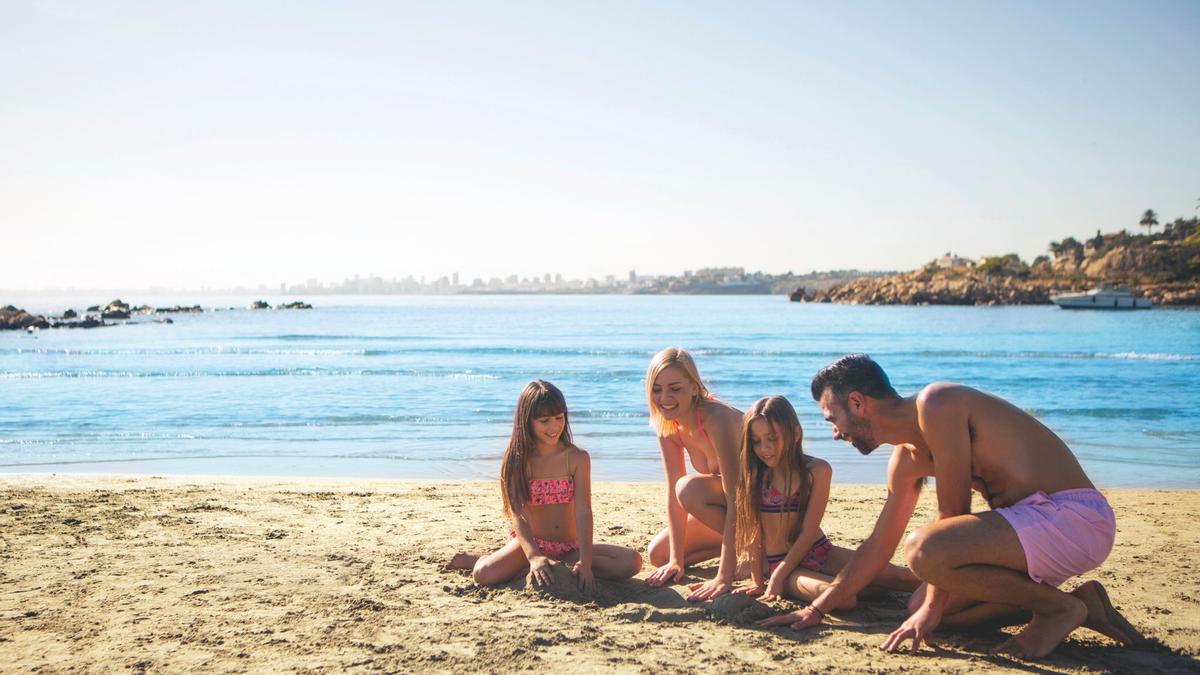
1149 220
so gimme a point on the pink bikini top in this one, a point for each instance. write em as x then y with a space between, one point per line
543 491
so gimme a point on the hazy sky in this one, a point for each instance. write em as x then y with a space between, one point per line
220 143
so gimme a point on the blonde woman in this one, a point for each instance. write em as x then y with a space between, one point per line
701 520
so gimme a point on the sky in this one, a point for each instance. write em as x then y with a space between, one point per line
190 144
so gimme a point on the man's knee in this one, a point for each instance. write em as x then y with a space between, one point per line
927 552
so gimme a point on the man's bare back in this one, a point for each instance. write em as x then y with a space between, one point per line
1013 455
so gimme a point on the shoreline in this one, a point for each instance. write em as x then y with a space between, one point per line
269 573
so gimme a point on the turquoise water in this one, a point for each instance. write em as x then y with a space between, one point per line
422 386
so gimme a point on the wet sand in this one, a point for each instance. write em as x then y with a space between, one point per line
183 574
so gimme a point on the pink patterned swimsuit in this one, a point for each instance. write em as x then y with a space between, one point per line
546 491
772 500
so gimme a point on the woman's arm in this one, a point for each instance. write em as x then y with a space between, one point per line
673 466
726 435
582 476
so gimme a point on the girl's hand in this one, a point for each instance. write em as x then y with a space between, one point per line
775 587
672 572
709 590
587 582
751 589
539 572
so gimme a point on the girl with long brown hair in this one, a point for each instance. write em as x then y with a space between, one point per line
781 499
546 488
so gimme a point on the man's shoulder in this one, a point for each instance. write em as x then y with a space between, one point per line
936 393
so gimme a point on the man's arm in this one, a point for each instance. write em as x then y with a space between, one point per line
943 418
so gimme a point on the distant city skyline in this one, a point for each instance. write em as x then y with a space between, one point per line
224 144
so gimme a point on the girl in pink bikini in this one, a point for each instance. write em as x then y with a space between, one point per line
780 501
545 481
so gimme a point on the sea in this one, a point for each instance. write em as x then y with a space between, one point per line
425 386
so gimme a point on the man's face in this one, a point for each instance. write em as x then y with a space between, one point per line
847 426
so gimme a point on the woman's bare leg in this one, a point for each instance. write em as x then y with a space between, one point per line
700 543
805 584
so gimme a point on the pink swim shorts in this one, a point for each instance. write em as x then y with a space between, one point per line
1064 534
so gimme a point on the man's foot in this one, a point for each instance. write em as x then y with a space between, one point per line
1103 618
1045 632
461 561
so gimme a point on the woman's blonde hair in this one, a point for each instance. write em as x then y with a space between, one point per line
779 414
671 356
538 399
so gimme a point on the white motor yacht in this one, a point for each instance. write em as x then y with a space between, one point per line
1101 298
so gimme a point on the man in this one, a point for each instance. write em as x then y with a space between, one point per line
1048 522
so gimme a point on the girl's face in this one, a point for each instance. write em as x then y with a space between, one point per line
548 428
766 442
673 392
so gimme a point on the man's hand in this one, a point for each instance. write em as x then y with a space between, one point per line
917 628
798 620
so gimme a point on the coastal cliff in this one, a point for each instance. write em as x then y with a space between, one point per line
1163 266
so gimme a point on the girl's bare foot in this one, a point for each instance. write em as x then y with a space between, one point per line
1045 632
1103 618
461 561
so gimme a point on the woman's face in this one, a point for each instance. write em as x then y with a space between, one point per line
673 392
548 428
766 442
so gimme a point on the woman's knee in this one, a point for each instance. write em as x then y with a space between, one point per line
659 550
693 492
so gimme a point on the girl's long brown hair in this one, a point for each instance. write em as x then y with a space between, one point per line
781 416
538 399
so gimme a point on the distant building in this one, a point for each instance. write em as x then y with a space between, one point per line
950 261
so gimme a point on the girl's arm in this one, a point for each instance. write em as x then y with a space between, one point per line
539 571
726 440
672 454
818 499
582 476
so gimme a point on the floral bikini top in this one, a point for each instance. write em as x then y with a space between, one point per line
772 500
544 491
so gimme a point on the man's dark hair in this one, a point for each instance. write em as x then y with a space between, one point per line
853 372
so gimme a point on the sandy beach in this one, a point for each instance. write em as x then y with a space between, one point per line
181 574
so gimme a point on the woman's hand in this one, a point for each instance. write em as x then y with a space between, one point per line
672 572
587 582
709 590
539 572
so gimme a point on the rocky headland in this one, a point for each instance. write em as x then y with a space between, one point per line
1163 266
114 313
